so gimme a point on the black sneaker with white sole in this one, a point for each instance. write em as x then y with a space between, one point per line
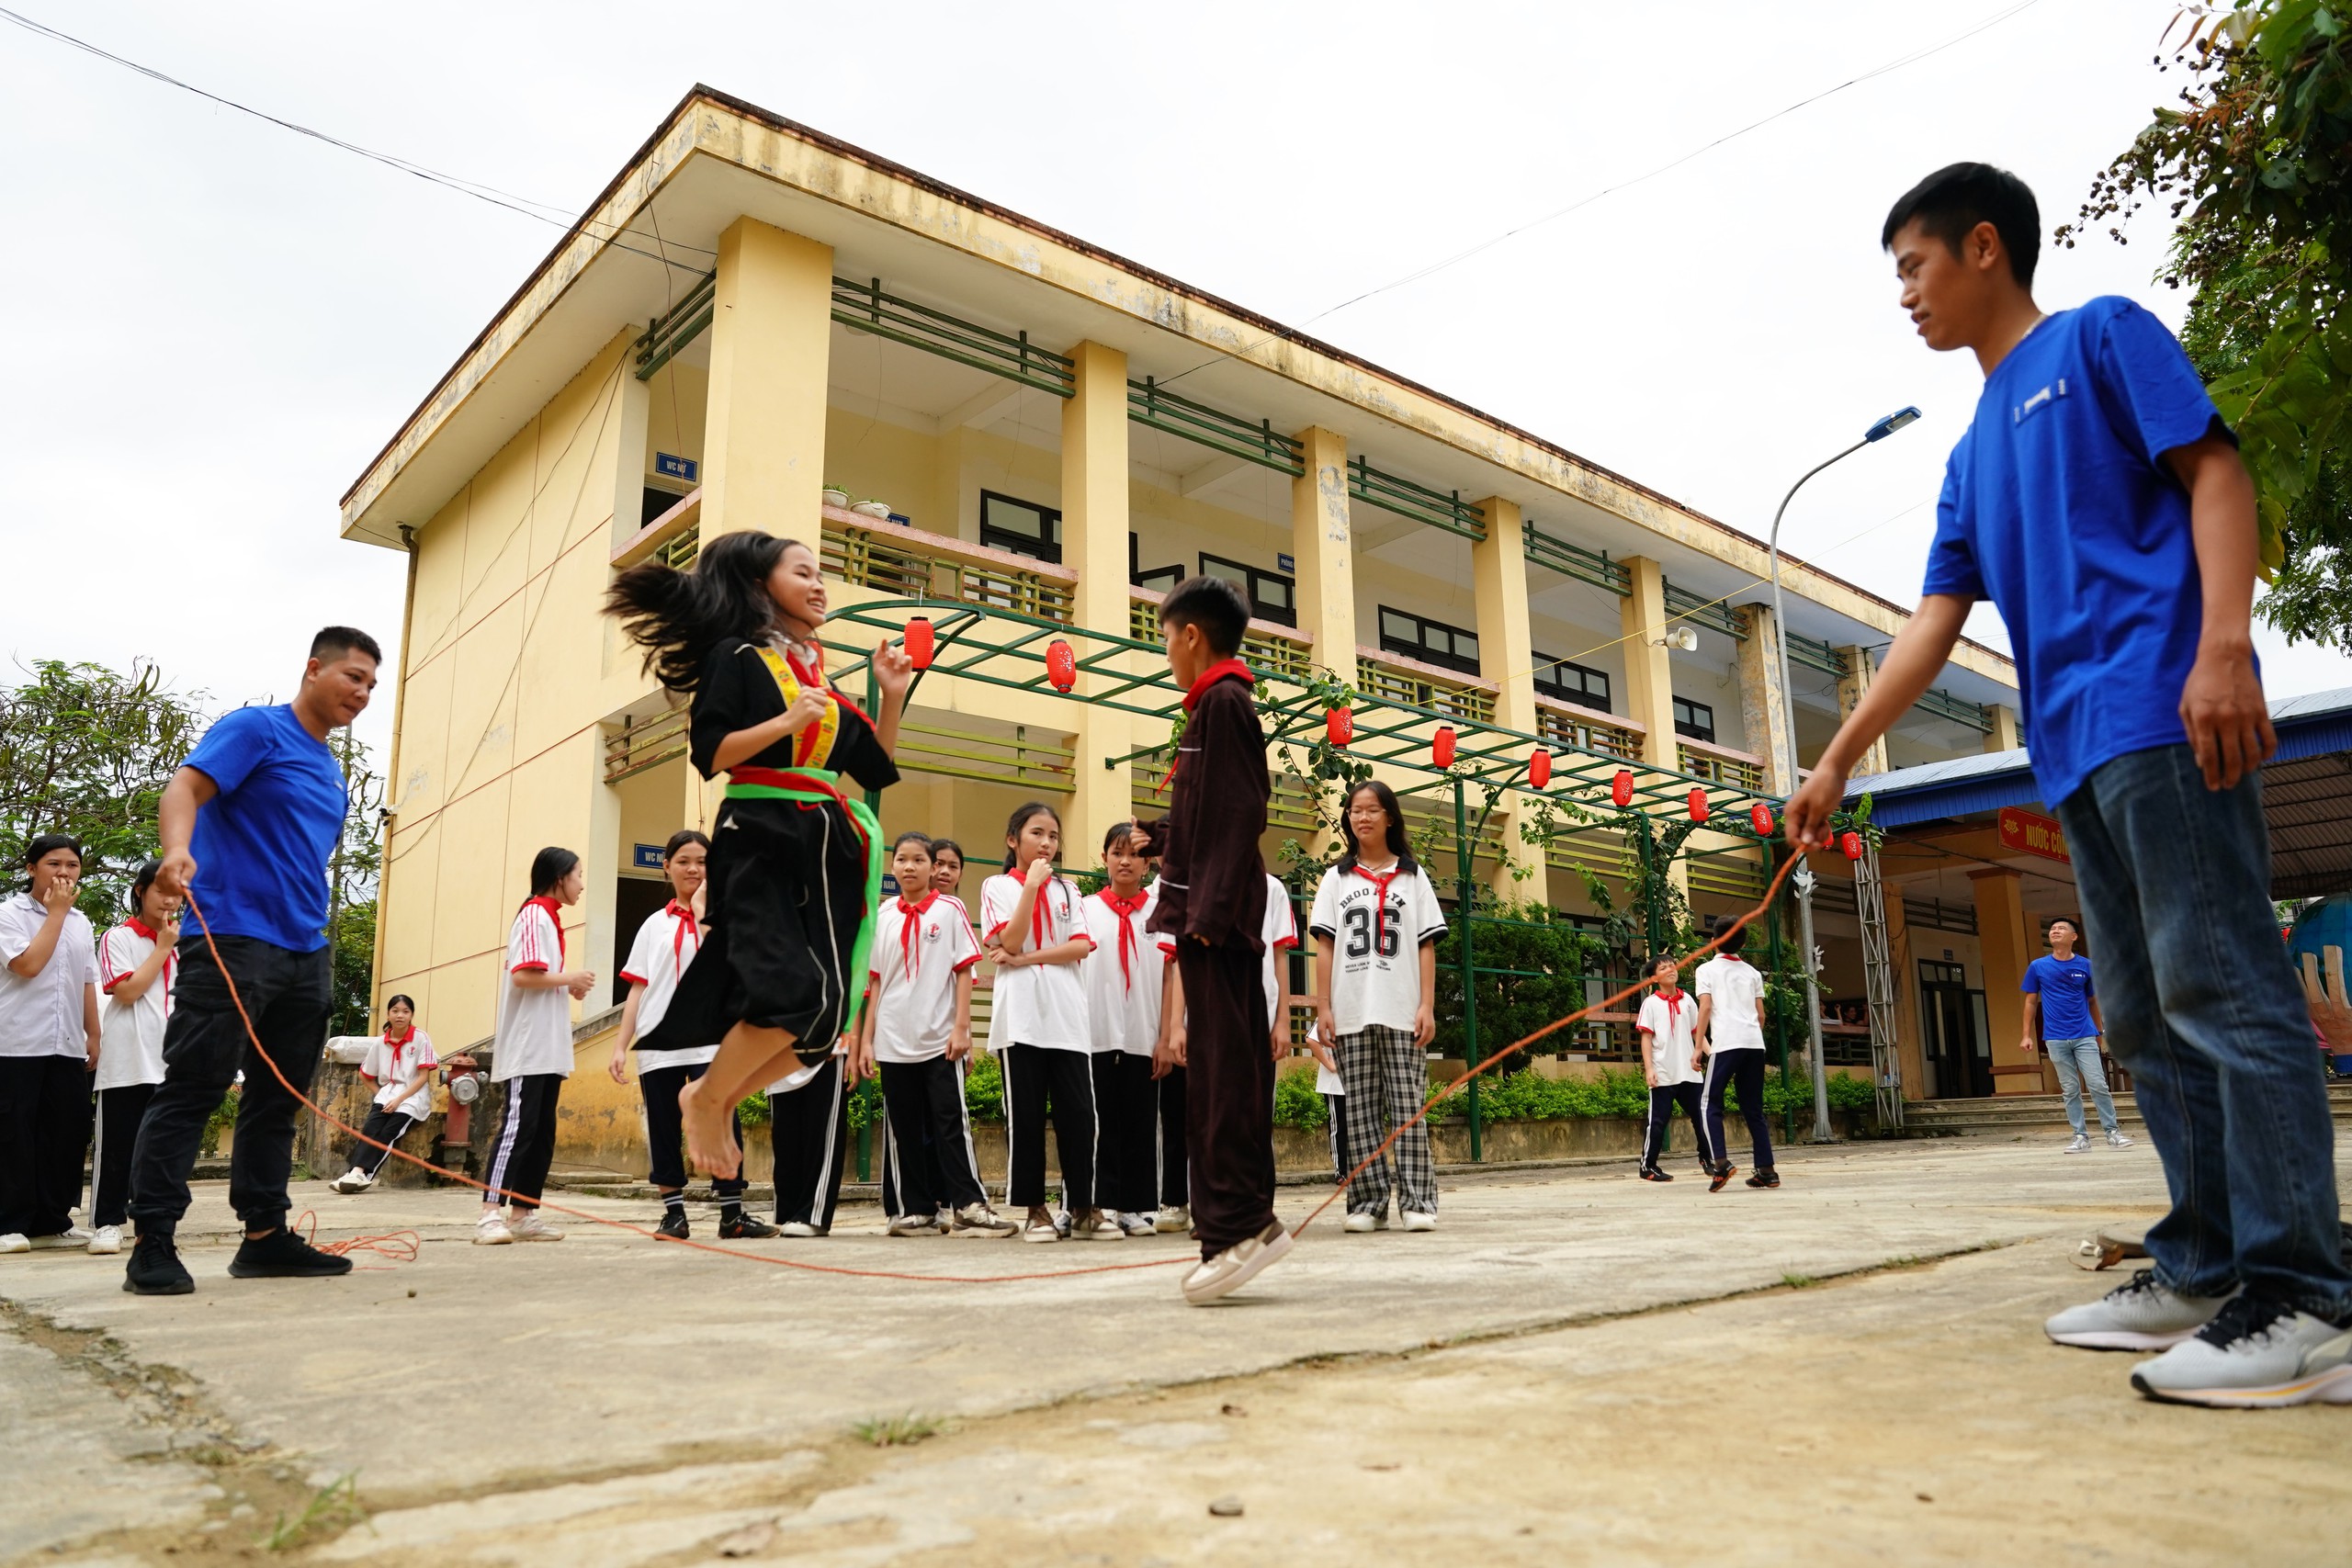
155 1269
282 1255
673 1225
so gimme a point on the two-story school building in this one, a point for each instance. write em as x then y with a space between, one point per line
758 326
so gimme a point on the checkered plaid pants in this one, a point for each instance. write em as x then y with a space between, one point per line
1388 1079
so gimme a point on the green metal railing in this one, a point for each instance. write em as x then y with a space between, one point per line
1439 509
1270 656
1575 561
668 335
645 743
1816 654
1713 614
1152 404
863 307
1408 688
865 560
1745 776
1586 735
1030 757
1959 710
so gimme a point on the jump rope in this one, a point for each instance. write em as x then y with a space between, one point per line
404 1246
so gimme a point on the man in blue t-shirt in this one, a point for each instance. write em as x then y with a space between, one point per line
2059 996
2099 500
248 825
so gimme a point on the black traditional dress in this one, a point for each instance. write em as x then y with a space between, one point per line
796 860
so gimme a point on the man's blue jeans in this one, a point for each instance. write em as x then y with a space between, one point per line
2077 1063
2205 1011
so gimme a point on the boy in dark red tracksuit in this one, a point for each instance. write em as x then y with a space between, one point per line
1212 903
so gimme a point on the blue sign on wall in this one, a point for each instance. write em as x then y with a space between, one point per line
646 857
1286 563
670 466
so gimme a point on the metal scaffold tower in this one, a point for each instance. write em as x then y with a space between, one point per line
1879 983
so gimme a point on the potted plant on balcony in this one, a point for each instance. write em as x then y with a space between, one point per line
878 510
835 496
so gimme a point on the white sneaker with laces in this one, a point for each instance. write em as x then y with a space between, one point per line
1417 1219
106 1239
1174 1220
490 1231
16 1241
1136 1225
71 1236
2116 1140
352 1181
2256 1353
1040 1231
2081 1141
2139 1315
1096 1225
1365 1221
978 1219
531 1225
1229 1269
914 1224
801 1228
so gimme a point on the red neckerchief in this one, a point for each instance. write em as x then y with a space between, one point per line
1041 919
1380 894
907 950
1209 677
171 961
395 1046
555 919
141 927
687 926
1673 1000
1126 909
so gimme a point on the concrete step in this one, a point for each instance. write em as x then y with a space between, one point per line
2006 1114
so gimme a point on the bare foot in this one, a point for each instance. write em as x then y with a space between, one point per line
710 1142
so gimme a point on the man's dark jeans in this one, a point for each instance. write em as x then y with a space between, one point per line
286 993
2205 1011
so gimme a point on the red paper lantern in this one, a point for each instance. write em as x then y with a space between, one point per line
1441 746
1852 845
1621 788
1759 815
1539 768
1698 804
1061 665
919 642
1339 726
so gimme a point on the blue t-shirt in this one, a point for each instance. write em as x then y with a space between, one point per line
2058 507
263 842
2066 991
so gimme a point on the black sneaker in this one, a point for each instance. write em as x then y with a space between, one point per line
155 1269
1768 1177
743 1227
1652 1173
673 1224
1721 1174
282 1255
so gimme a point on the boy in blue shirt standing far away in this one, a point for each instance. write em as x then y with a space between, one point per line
2099 500
2059 995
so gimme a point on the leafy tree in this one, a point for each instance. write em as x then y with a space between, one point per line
354 873
2256 164
1542 958
88 751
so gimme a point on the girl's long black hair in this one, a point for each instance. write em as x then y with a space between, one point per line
549 867
677 616
1012 826
1396 844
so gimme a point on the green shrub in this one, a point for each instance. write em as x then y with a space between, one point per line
984 1089
1548 959
1296 1104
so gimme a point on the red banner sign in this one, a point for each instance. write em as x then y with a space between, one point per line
2028 834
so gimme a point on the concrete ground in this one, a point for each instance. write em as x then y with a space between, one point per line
1577 1367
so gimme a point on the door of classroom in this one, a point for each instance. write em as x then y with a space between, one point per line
1959 1041
635 900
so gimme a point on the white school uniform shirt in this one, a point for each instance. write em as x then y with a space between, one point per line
1669 1025
1037 1004
41 1015
1377 925
535 1025
1737 987
130 1033
389 1066
1280 933
920 948
665 945
1126 973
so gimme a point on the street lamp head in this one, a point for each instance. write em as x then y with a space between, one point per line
1890 424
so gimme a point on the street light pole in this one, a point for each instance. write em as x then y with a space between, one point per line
1804 878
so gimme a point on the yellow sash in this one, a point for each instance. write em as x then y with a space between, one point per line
813 746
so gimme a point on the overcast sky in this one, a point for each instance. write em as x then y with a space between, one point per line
216 322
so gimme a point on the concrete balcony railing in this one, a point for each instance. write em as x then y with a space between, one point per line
1283 653
1565 724
1391 678
1733 770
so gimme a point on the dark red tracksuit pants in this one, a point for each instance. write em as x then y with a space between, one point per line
1228 1093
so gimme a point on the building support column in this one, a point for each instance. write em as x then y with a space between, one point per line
1322 539
1763 704
1649 678
1507 646
2001 940
1094 544
1900 958
1851 687
763 443
2005 736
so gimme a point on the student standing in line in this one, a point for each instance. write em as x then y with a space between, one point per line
248 825
916 1039
665 948
2099 500
1125 990
947 868
1035 930
49 1047
1668 1024
400 1065
136 964
2059 996
1730 1048
532 1056
1376 921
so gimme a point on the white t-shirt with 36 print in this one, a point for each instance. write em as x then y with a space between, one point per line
1377 924
1735 987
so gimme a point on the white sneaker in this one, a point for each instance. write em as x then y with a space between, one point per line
1229 1269
802 1228
913 1224
2082 1141
352 1181
2256 1353
490 1231
1040 1231
1174 1220
1363 1222
1416 1220
531 1225
71 1236
16 1241
106 1239
1096 1225
978 1219
2139 1315
1137 1225
2116 1140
